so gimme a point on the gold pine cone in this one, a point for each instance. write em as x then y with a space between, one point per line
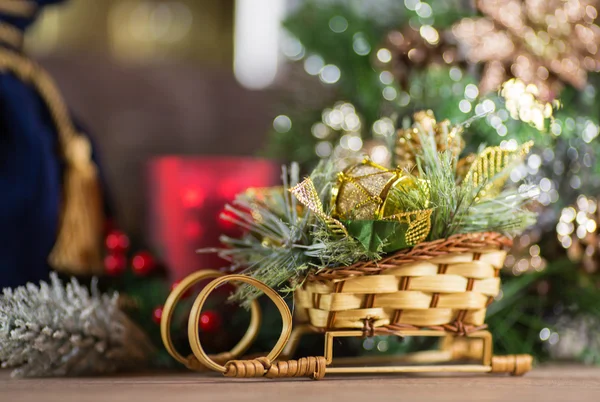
408 143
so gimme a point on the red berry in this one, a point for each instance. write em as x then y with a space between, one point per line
210 321
157 314
115 264
143 263
117 241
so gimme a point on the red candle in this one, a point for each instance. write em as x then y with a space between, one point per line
186 195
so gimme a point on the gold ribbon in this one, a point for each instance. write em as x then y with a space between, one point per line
308 196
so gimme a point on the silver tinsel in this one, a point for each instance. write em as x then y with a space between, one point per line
66 330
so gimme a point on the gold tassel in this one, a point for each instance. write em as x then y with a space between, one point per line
78 245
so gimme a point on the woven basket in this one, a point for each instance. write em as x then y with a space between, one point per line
444 284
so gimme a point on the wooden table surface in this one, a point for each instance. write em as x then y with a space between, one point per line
558 383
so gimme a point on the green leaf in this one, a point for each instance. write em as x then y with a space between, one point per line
378 235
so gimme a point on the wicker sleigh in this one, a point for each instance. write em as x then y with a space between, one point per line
445 284
439 289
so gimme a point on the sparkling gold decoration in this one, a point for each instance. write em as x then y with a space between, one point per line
547 43
488 165
523 104
419 225
577 231
361 190
307 194
361 193
414 49
447 137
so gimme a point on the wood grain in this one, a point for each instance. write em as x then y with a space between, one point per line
547 384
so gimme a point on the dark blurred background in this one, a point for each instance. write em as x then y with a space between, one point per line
154 77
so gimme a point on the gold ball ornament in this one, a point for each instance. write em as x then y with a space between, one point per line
361 190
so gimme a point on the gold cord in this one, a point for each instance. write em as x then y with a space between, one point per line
11 36
18 8
78 246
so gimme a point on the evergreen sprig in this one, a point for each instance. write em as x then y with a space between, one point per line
506 213
459 206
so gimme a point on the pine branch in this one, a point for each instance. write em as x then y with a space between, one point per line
459 206
506 213
447 198
67 330
337 252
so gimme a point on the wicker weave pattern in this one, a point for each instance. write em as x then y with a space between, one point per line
447 283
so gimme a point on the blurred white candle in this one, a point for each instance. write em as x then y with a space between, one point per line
256 41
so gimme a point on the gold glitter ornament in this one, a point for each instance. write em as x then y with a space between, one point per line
408 143
419 225
307 194
361 190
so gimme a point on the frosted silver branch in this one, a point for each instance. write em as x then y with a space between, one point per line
67 330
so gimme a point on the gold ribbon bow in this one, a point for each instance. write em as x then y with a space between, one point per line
307 194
